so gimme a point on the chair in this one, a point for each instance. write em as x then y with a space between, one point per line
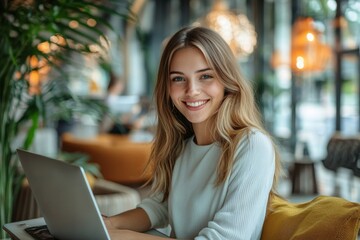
120 159
343 152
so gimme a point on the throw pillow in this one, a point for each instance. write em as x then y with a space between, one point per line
324 217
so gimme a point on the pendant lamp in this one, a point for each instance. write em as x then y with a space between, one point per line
308 50
236 30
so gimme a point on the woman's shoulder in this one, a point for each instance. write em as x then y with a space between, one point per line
254 134
255 140
254 151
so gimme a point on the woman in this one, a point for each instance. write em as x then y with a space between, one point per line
215 167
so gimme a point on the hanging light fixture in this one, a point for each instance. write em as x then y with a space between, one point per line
308 51
236 30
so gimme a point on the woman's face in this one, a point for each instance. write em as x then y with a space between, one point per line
194 88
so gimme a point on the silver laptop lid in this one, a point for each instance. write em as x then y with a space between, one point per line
64 197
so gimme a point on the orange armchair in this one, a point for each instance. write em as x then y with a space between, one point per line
120 159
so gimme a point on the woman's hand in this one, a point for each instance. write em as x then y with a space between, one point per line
123 234
109 226
116 233
120 234
118 226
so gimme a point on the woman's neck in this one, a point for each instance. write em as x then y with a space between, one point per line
203 134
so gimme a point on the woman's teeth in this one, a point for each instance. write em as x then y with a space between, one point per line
195 104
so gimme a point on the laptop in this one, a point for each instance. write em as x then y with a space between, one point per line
64 198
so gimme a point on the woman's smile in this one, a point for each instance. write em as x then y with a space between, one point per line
195 105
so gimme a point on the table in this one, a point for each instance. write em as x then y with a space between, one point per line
16 230
111 198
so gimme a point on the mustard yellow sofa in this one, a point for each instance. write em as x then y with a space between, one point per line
120 159
322 218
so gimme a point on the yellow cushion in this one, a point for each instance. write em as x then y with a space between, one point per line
324 217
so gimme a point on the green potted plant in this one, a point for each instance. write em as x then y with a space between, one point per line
65 26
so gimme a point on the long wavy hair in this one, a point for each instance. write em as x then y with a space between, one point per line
237 114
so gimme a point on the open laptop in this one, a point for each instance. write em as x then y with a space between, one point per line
64 198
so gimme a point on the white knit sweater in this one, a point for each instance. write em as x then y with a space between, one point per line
196 209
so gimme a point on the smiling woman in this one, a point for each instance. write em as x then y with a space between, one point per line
195 90
216 166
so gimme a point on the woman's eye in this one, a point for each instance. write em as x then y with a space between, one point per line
206 76
177 79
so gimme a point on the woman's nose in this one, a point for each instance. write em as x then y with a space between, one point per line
192 88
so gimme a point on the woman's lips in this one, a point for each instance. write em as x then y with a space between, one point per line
195 104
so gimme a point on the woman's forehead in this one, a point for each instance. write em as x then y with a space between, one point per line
190 57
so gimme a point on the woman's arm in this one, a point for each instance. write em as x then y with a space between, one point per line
130 225
135 220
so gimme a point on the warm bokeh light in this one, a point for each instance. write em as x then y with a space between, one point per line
54 47
308 52
91 22
94 48
34 82
236 30
300 62
310 37
17 75
39 70
44 47
73 24
33 61
58 40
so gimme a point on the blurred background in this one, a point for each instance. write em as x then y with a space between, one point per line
302 58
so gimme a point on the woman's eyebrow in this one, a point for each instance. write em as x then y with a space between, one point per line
197 71
175 72
203 70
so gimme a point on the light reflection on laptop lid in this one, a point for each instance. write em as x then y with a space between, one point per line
64 197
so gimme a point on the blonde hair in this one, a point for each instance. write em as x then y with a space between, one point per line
237 114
